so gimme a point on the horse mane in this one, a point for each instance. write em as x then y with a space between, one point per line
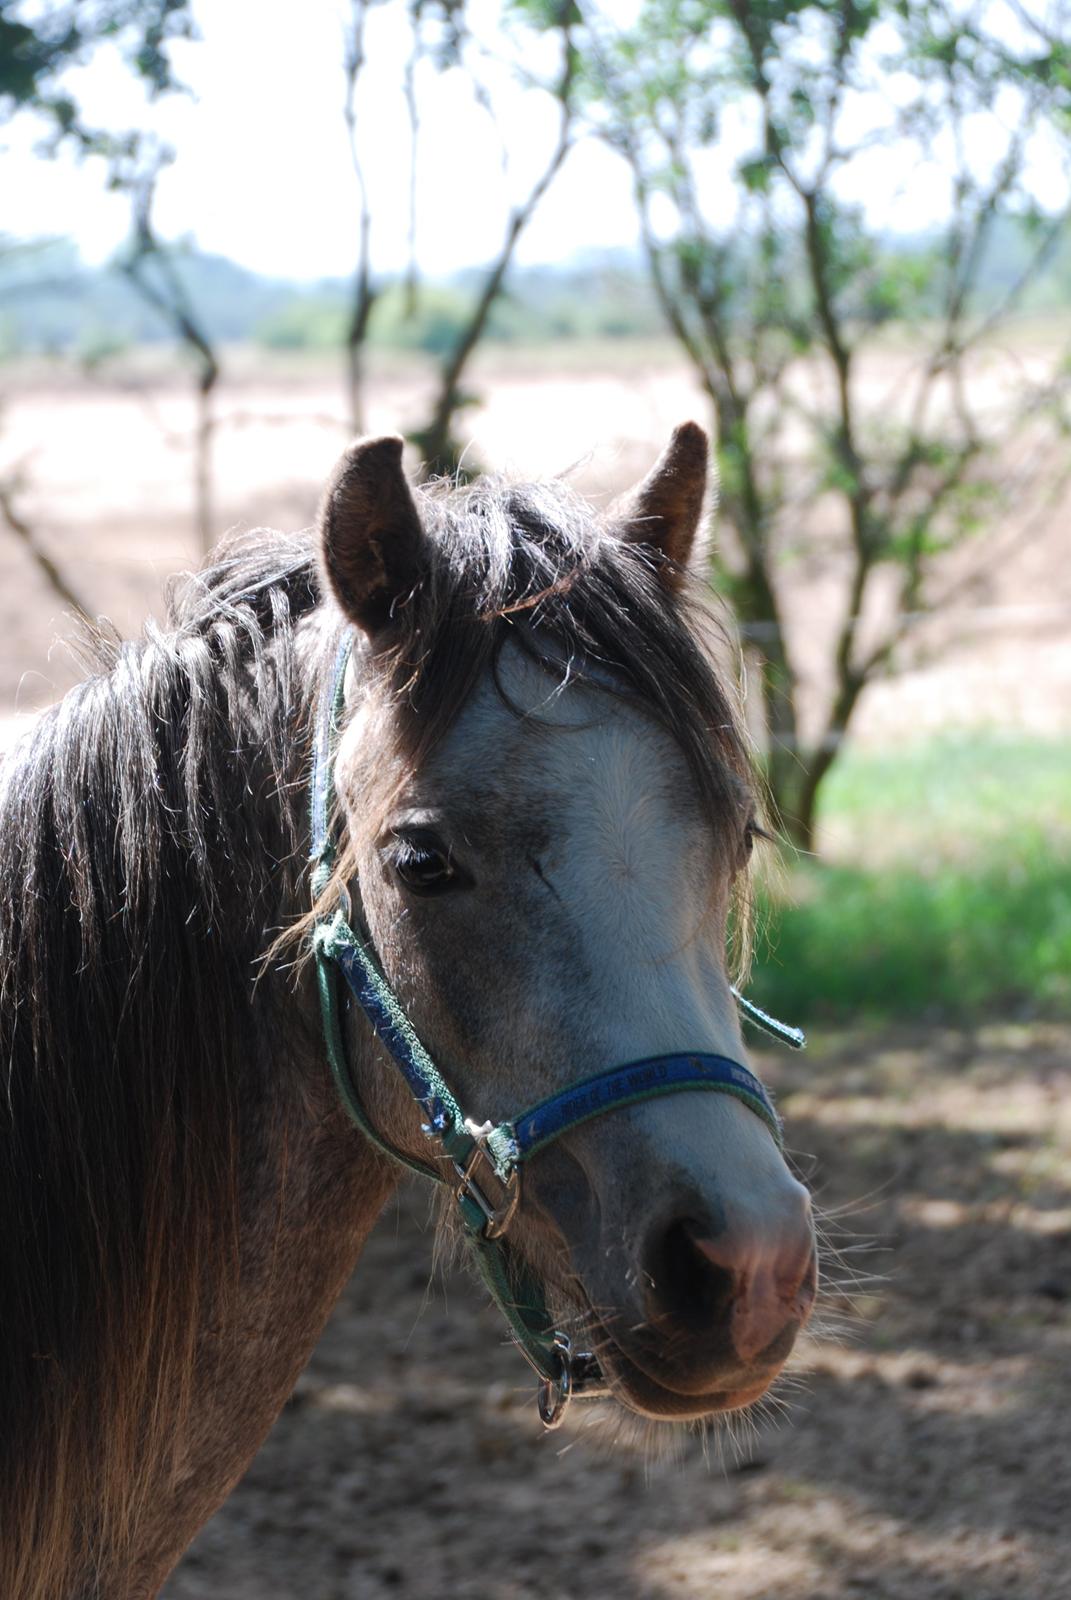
149 830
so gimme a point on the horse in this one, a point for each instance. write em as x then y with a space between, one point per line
542 819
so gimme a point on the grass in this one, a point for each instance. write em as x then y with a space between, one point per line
944 887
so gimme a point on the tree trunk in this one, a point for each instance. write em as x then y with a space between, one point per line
202 470
49 570
436 442
779 714
363 301
799 811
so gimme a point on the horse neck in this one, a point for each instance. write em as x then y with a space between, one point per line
184 1198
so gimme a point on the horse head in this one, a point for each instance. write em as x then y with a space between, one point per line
548 813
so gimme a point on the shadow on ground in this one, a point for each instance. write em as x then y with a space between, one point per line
923 1457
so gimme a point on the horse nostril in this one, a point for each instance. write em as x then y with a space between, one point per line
683 1282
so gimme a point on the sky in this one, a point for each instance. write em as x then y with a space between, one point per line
263 171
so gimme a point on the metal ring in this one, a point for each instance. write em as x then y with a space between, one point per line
346 900
554 1394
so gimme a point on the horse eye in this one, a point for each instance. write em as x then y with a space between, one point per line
423 864
754 830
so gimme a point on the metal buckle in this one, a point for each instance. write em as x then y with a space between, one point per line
554 1394
480 1180
577 1374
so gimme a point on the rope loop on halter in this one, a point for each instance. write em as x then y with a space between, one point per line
481 1161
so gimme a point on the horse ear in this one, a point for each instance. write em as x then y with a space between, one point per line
372 542
666 509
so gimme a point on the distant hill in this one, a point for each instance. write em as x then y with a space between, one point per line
51 302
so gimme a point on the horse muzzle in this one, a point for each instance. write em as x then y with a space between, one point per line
721 1310
701 1313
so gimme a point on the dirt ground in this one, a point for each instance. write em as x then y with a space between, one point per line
922 1451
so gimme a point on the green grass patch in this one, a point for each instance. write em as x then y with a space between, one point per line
945 887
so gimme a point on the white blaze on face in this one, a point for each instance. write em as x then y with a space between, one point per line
635 886
587 809
638 869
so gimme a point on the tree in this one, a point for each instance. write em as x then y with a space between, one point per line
364 292
440 449
150 265
438 34
779 302
40 43
443 41
18 524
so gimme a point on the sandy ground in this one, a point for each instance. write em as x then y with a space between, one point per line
924 1453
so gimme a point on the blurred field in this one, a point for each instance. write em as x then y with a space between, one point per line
108 468
108 464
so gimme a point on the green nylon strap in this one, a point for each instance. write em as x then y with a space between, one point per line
520 1299
336 941
327 978
516 1293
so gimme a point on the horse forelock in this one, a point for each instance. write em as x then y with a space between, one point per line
530 564
149 829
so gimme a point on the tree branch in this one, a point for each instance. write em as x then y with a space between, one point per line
363 293
52 574
173 305
436 443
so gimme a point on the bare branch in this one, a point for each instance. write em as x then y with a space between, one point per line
17 524
167 295
363 294
435 441
413 113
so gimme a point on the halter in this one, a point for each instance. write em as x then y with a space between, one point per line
487 1160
